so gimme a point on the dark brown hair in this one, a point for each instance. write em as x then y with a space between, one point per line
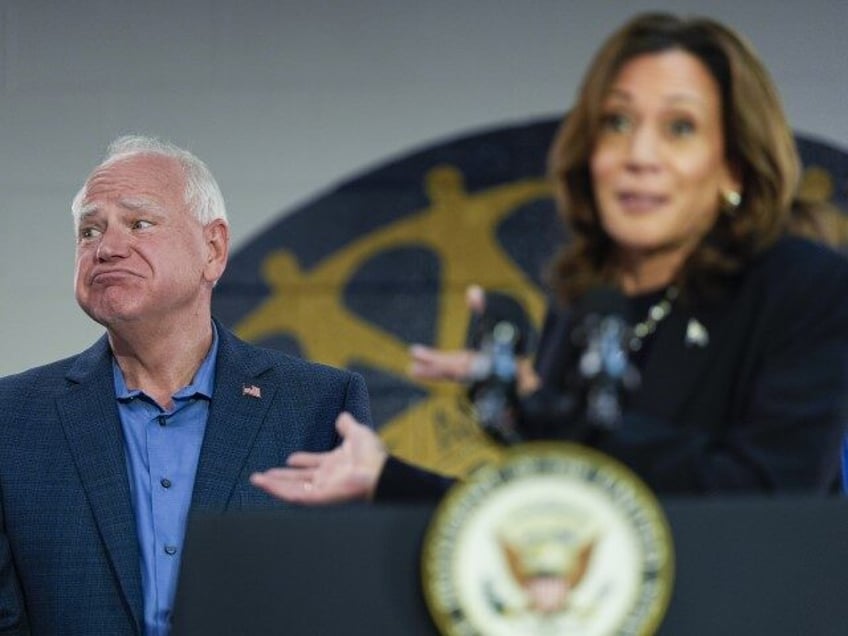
759 147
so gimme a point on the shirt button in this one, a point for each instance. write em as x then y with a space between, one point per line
162 420
166 483
170 550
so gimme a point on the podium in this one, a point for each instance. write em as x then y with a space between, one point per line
776 566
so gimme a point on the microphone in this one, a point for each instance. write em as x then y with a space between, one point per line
500 331
494 394
601 373
604 369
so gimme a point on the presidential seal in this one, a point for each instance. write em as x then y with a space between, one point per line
555 539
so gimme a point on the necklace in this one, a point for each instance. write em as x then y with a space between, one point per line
657 312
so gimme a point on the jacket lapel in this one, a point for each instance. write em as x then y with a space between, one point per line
92 427
239 405
679 359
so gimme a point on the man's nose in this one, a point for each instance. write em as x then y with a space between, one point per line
114 243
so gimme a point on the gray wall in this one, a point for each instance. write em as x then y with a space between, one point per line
283 99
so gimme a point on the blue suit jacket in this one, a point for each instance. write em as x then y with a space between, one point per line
69 556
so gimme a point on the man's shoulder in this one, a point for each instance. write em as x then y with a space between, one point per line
28 390
48 377
265 360
42 375
289 364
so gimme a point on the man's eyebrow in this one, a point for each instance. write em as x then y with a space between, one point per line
140 203
130 204
87 211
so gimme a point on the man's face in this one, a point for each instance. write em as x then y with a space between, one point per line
141 254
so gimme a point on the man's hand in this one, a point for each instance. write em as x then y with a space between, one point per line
347 473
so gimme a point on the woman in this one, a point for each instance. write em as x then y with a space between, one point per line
675 171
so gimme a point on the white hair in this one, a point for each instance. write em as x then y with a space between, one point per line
202 193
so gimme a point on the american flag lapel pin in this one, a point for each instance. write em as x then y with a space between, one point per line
696 334
251 391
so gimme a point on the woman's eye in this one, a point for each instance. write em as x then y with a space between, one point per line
681 127
141 224
616 122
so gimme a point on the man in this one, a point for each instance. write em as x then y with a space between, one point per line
103 455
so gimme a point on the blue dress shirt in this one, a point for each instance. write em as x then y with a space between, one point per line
162 450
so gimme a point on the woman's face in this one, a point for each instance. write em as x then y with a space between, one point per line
658 165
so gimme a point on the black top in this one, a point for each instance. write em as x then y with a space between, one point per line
745 392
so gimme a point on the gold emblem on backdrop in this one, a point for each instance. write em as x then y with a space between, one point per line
459 228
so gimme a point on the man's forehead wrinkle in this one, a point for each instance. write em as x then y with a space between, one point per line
128 204
139 203
126 170
124 187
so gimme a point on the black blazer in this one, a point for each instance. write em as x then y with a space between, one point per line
762 407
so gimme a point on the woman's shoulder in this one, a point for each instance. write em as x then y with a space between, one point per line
800 277
798 261
804 254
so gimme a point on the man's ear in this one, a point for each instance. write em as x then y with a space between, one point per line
216 235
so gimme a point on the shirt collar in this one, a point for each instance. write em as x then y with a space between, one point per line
202 383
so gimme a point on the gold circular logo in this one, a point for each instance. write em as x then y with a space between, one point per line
555 539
